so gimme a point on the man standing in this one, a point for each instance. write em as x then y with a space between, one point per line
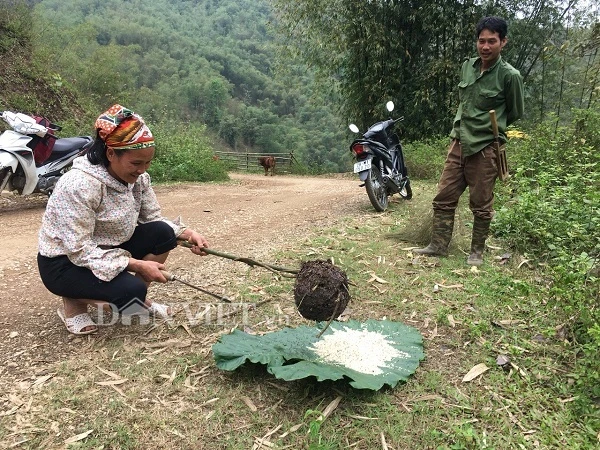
487 82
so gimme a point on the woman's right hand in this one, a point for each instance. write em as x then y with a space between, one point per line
148 270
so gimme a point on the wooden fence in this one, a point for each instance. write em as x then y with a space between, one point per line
248 162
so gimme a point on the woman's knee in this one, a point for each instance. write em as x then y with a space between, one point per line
162 235
130 291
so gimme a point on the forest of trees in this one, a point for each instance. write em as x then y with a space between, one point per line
411 52
277 76
199 61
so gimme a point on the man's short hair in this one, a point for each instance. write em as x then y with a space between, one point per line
493 24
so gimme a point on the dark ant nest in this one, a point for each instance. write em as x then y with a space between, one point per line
321 290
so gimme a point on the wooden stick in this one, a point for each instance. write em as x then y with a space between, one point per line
248 261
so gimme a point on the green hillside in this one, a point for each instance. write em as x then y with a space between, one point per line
203 62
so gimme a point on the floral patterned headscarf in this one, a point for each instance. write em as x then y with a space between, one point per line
122 129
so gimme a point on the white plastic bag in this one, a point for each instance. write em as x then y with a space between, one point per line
24 124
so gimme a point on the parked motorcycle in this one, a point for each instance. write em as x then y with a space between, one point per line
380 162
18 169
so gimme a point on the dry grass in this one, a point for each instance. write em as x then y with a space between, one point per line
140 387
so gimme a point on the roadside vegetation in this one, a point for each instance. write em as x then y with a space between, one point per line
159 387
535 302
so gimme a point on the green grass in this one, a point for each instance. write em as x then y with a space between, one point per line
175 397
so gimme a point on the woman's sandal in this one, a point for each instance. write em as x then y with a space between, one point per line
77 323
160 310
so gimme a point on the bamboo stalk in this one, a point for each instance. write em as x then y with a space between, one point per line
287 272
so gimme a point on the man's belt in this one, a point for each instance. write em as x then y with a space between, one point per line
500 150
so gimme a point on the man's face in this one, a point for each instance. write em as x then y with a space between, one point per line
489 46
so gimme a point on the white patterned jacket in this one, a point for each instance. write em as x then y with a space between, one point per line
90 213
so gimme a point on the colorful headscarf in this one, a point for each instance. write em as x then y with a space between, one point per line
122 129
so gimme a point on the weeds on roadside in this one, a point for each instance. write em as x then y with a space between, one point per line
551 210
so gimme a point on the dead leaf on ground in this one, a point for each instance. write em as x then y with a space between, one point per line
476 371
249 403
450 286
330 408
78 437
291 430
425 398
507 323
113 375
384 445
451 320
111 382
503 361
525 261
378 279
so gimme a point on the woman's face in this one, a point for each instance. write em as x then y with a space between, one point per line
130 165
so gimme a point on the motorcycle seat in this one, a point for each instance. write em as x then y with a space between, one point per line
66 145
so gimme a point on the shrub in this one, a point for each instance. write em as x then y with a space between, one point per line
425 159
184 153
550 209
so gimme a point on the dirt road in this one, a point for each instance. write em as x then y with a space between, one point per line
250 216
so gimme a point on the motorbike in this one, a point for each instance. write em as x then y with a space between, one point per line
380 162
18 169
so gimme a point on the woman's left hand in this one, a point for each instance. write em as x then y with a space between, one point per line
197 240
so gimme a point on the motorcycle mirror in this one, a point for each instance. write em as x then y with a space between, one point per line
353 128
390 106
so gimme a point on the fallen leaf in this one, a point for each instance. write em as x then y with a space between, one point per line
476 371
291 430
362 417
330 408
503 360
424 398
376 278
384 445
249 403
450 286
120 392
525 261
506 323
78 437
109 373
451 320
111 382
40 381
208 402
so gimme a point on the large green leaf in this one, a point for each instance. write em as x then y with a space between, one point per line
370 354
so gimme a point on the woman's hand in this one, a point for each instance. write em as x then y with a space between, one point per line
148 270
196 239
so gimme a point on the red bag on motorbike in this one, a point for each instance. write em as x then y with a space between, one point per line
42 146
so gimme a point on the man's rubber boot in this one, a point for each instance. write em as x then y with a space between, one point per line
441 233
481 228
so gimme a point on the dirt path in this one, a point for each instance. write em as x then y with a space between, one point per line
250 216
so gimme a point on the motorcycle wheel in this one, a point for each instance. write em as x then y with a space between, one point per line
5 173
406 191
376 190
